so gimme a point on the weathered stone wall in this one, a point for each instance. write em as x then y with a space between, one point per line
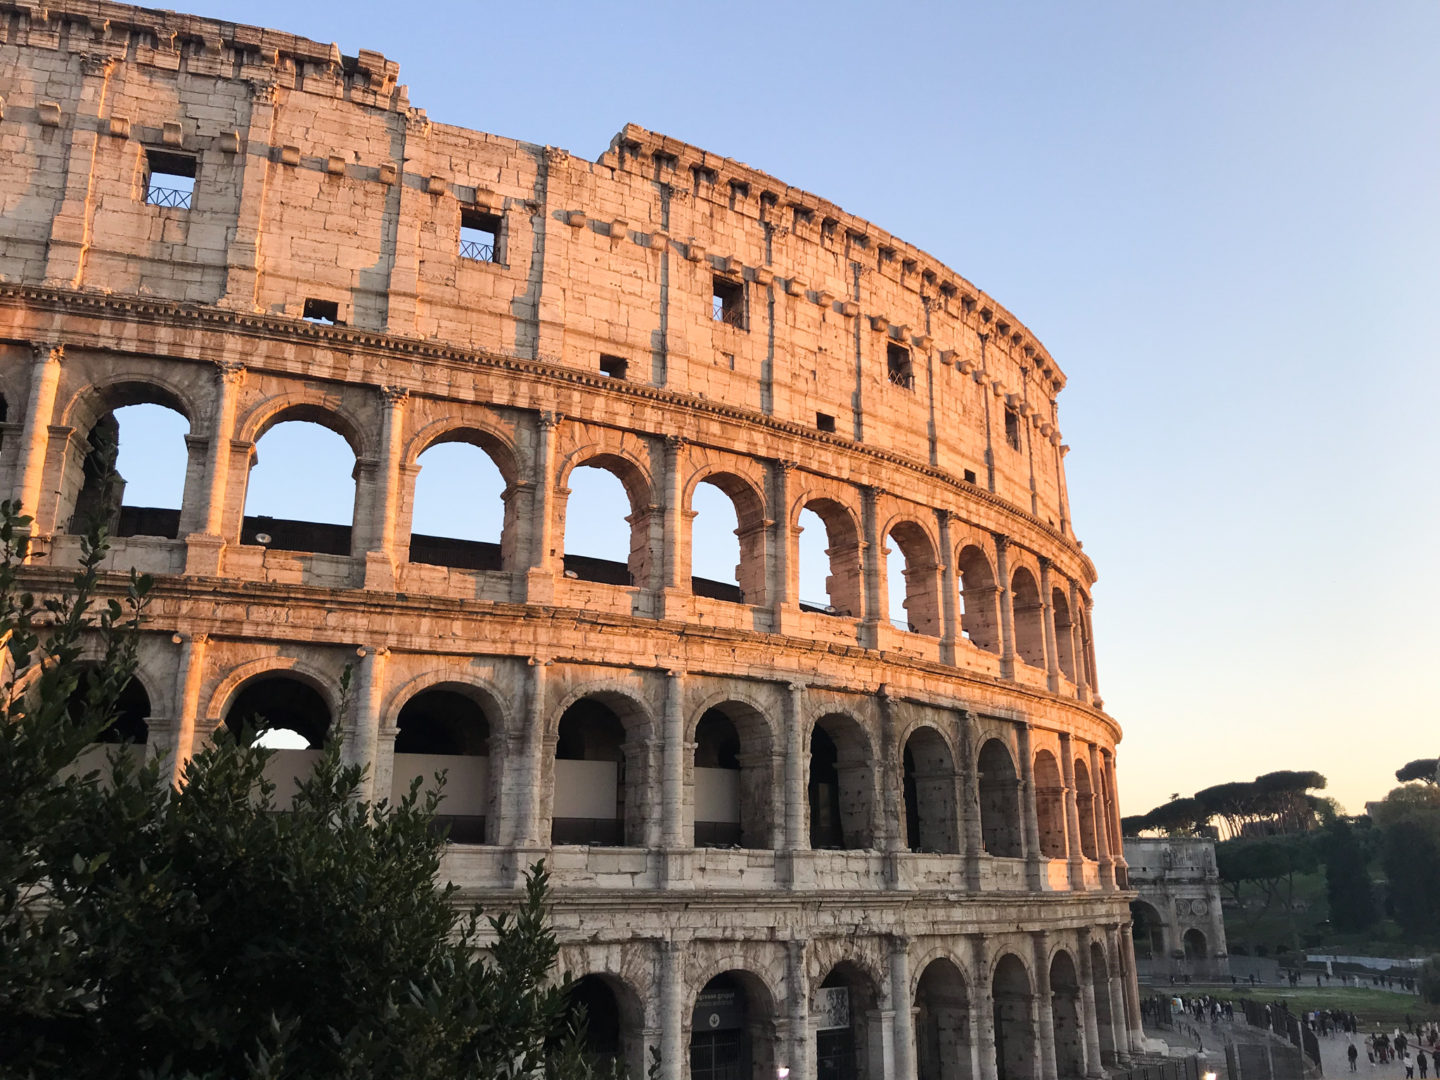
1178 884
976 856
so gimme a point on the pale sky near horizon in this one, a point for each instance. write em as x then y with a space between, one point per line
1220 218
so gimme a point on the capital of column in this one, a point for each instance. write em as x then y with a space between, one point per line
42 351
1001 541
675 442
229 372
786 467
549 419
393 395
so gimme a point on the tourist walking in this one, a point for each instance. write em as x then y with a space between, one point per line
1353 1054
1421 1062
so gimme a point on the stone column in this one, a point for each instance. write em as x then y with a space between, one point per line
545 562
950 629
982 1011
70 228
871 550
903 1025
1044 1013
673 775
527 745
203 548
188 677
1097 810
970 802
889 784
1112 823
798 990
1119 1027
1072 812
797 767
362 734
1007 606
380 557
242 254
1089 1021
783 588
1047 616
35 436
1088 633
1034 868
672 1016
1130 987
1077 645
675 596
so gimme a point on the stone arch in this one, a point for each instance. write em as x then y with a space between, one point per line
312 407
849 1040
222 696
1029 617
999 787
1064 633
732 1027
1050 805
944 1042
922 575
844 585
1195 945
1104 1014
1147 928
133 707
92 450
468 552
1066 1017
930 786
486 694
841 783
748 499
979 597
615 1018
635 477
1013 1002
601 768
451 725
496 441
734 793
1085 804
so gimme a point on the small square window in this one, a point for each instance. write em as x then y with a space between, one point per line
898 366
479 235
1012 427
169 178
321 311
970 476
824 421
613 366
728 302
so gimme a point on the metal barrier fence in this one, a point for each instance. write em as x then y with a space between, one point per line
1175 1069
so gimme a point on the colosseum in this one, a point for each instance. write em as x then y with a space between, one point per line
786 834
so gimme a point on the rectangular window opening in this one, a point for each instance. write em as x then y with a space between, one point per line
728 302
613 366
898 366
824 421
1012 427
970 476
326 312
169 178
479 235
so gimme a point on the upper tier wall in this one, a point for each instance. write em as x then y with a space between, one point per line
315 180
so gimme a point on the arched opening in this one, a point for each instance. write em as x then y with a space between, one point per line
732 1030
1014 1012
1147 930
612 1017
131 723
446 730
931 806
831 572
599 779
286 715
912 574
1104 1016
979 623
727 541
1195 947
309 508
848 1042
999 801
1064 639
459 515
1085 804
1029 618
943 1043
1050 805
840 787
607 533
1065 1017
130 469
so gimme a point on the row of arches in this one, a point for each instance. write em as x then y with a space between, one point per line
465 495
1067 1022
603 767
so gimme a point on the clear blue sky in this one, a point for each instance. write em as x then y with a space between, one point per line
1220 218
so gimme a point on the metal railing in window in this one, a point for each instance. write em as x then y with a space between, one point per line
903 379
476 250
164 196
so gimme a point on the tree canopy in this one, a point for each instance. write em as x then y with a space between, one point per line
1425 769
1273 803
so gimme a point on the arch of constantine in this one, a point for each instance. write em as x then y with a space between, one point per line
785 831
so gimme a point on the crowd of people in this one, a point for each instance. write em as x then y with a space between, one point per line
1405 1046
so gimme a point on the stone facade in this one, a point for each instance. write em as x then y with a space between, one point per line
797 835
1178 924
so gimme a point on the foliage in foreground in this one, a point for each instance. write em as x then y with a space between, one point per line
197 932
